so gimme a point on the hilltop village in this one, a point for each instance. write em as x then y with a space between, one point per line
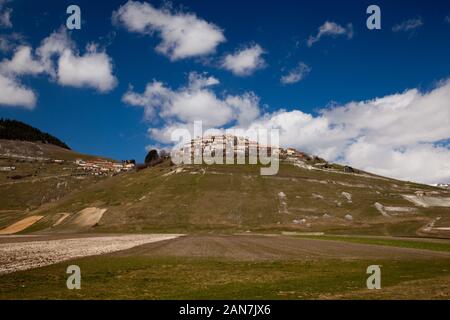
212 144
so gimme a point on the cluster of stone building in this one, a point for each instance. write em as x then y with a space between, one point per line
104 167
236 145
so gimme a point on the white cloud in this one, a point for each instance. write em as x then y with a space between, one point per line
194 102
93 69
408 25
13 94
164 134
447 19
183 35
304 131
399 119
398 136
52 48
246 108
188 104
331 29
245 61
198 81
58 57
297 74
22 63
5 15
419 162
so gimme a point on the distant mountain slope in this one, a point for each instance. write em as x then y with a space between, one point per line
17 130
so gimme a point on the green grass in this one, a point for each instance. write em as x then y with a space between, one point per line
425 245
237 198
137 277
228 198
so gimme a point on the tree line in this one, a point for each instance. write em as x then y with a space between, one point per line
17 130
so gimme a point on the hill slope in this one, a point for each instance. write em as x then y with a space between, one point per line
42 189
34 173
235 198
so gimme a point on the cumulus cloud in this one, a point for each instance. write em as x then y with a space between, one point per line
187 104
196 101
331 29
58 58
401 135
22 63
5 15
52 48
408 25
297 74
304 131
13 94
164 134
246 108
183 35
425 163
93 70
245 61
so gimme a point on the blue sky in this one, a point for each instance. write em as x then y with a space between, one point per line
349 63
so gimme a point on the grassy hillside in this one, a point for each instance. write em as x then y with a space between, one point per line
235 198
37 179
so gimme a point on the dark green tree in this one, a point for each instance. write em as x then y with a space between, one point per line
16 130
152 156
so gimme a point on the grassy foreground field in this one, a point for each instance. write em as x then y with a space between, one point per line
402 243
248 269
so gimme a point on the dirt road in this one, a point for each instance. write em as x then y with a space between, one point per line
23 255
